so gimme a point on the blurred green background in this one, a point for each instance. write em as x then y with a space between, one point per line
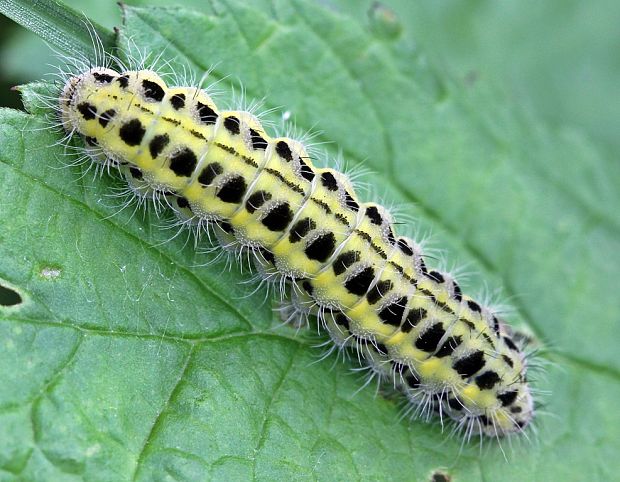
559 57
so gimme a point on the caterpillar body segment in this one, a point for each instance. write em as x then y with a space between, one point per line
370 289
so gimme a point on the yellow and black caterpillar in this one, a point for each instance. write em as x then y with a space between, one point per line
338 256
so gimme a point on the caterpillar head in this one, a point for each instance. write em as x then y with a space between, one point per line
74 108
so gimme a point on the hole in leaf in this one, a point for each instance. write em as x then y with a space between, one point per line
439 476
9 297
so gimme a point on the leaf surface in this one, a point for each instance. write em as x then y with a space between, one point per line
131 359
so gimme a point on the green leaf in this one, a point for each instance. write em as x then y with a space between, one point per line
129 358
59 25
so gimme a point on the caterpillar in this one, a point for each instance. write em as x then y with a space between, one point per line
336 257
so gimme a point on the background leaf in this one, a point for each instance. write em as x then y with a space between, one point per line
128 360
60 26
